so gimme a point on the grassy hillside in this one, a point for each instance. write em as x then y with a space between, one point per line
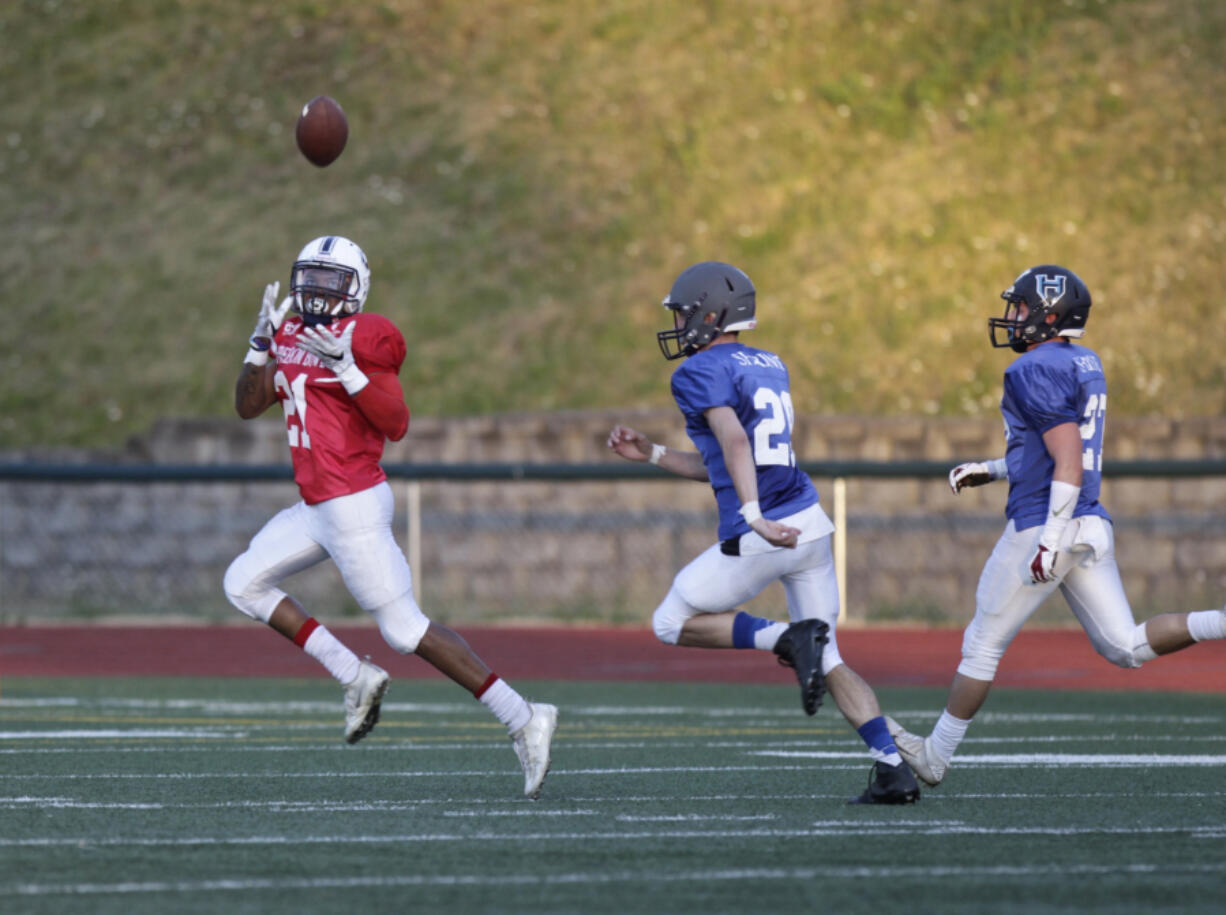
527 180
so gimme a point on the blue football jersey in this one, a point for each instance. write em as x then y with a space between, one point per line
1049 385
754 383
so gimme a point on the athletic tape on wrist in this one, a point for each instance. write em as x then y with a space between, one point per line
751 512
657 452
353 379
1060 506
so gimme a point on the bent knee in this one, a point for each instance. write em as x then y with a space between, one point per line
667 630
670 617
1124 648
1120 655
402 623
247 592
980 660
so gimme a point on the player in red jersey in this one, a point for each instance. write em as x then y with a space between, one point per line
335 368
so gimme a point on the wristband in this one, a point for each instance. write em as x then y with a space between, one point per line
256 357
1060 505
998 469
751 512
657 452
353 379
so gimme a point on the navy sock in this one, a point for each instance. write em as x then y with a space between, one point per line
876 734
743 628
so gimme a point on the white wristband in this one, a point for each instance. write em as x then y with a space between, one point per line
751 512
657 452
256 357
353 379
998 469
1060 507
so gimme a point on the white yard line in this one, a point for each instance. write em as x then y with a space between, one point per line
819 830
400 773
1110 760
279 709
516 809
133 733
603 877
247 742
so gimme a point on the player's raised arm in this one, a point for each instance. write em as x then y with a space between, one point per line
254 391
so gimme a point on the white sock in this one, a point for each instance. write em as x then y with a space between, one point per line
1204 625
766 637
890 759
948 734
507 705
328 650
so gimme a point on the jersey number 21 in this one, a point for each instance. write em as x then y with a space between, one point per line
776 418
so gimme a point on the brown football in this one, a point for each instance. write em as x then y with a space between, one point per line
322 130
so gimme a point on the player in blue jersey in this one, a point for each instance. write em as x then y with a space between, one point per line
1058 535
738 413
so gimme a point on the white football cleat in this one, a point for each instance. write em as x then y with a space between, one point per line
362 699
918 753
532 743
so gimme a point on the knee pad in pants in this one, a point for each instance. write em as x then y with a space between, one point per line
670 616
251 595
402 623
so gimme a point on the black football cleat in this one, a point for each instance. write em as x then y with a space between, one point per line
889 785
800 647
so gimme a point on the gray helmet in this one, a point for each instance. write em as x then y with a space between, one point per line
1045 290
712 298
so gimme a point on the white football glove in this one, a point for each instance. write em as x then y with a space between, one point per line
335 353
976 473
1061 503
270 318
1043 565
973 474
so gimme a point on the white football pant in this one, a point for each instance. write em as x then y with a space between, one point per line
714 582
1087 576
356 532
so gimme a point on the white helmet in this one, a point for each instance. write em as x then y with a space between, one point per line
330 279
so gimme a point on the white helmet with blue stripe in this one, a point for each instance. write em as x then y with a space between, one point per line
330 280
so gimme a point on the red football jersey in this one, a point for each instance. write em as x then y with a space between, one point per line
336 450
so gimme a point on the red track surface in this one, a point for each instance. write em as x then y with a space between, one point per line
1047 659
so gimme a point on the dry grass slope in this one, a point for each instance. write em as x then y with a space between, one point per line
527 179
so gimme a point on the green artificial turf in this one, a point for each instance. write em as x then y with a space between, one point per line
194 795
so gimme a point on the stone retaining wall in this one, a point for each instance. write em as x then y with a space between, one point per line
599 551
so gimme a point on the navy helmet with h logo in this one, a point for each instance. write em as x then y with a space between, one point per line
1044 290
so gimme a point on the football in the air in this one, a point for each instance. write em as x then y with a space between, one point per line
322 130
